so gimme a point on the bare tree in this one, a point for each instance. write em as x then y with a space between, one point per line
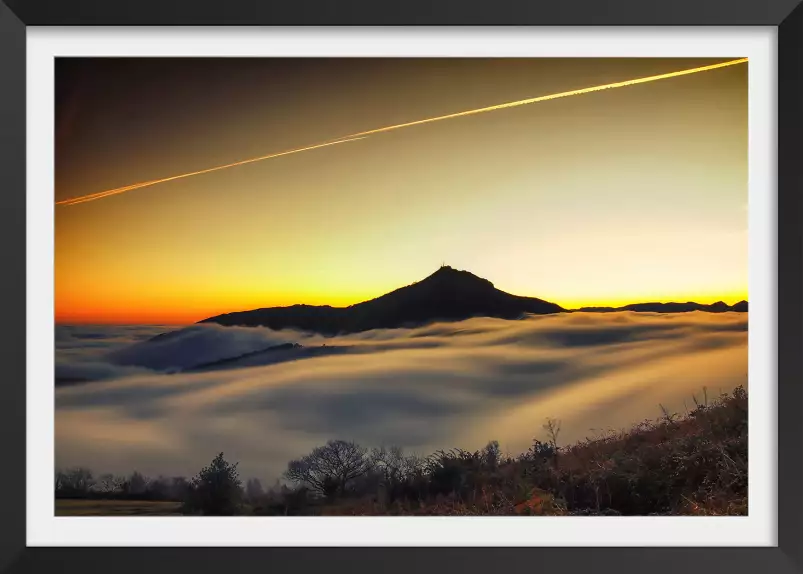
159 488
106 484
328 469
491 454
137 483
394 464
80 480
179 486
253 489
60 481
75 482
120 484
552 428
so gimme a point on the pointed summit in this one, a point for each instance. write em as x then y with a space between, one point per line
448 274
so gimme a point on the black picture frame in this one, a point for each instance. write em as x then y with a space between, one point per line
16 15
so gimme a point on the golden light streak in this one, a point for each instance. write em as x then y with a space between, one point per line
102 194
364 134
554 96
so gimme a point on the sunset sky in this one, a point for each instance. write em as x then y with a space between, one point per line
627 195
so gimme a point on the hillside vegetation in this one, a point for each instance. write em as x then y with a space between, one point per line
689 464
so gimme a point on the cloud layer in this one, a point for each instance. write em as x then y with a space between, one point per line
440 386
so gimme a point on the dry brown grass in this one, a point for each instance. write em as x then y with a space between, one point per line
695 464
116 508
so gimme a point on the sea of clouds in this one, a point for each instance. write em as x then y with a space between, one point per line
165 406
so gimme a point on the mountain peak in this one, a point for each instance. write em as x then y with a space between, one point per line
448 294
448 274
445 270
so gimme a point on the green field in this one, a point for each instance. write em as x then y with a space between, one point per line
116 508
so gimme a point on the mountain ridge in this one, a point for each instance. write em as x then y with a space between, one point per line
447 294
671 307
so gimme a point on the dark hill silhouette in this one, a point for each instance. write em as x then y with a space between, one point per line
718 307
446 295
274 349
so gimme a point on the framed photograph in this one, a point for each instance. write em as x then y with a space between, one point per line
377 293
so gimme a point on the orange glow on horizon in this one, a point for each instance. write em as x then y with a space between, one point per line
154 312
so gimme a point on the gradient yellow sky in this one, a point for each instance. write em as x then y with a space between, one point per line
627 195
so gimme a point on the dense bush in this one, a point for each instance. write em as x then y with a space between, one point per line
80 483
74 483
215 491
693 464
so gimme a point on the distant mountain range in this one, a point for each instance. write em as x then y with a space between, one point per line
718 307
446 295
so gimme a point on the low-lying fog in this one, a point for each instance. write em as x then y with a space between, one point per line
153 406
